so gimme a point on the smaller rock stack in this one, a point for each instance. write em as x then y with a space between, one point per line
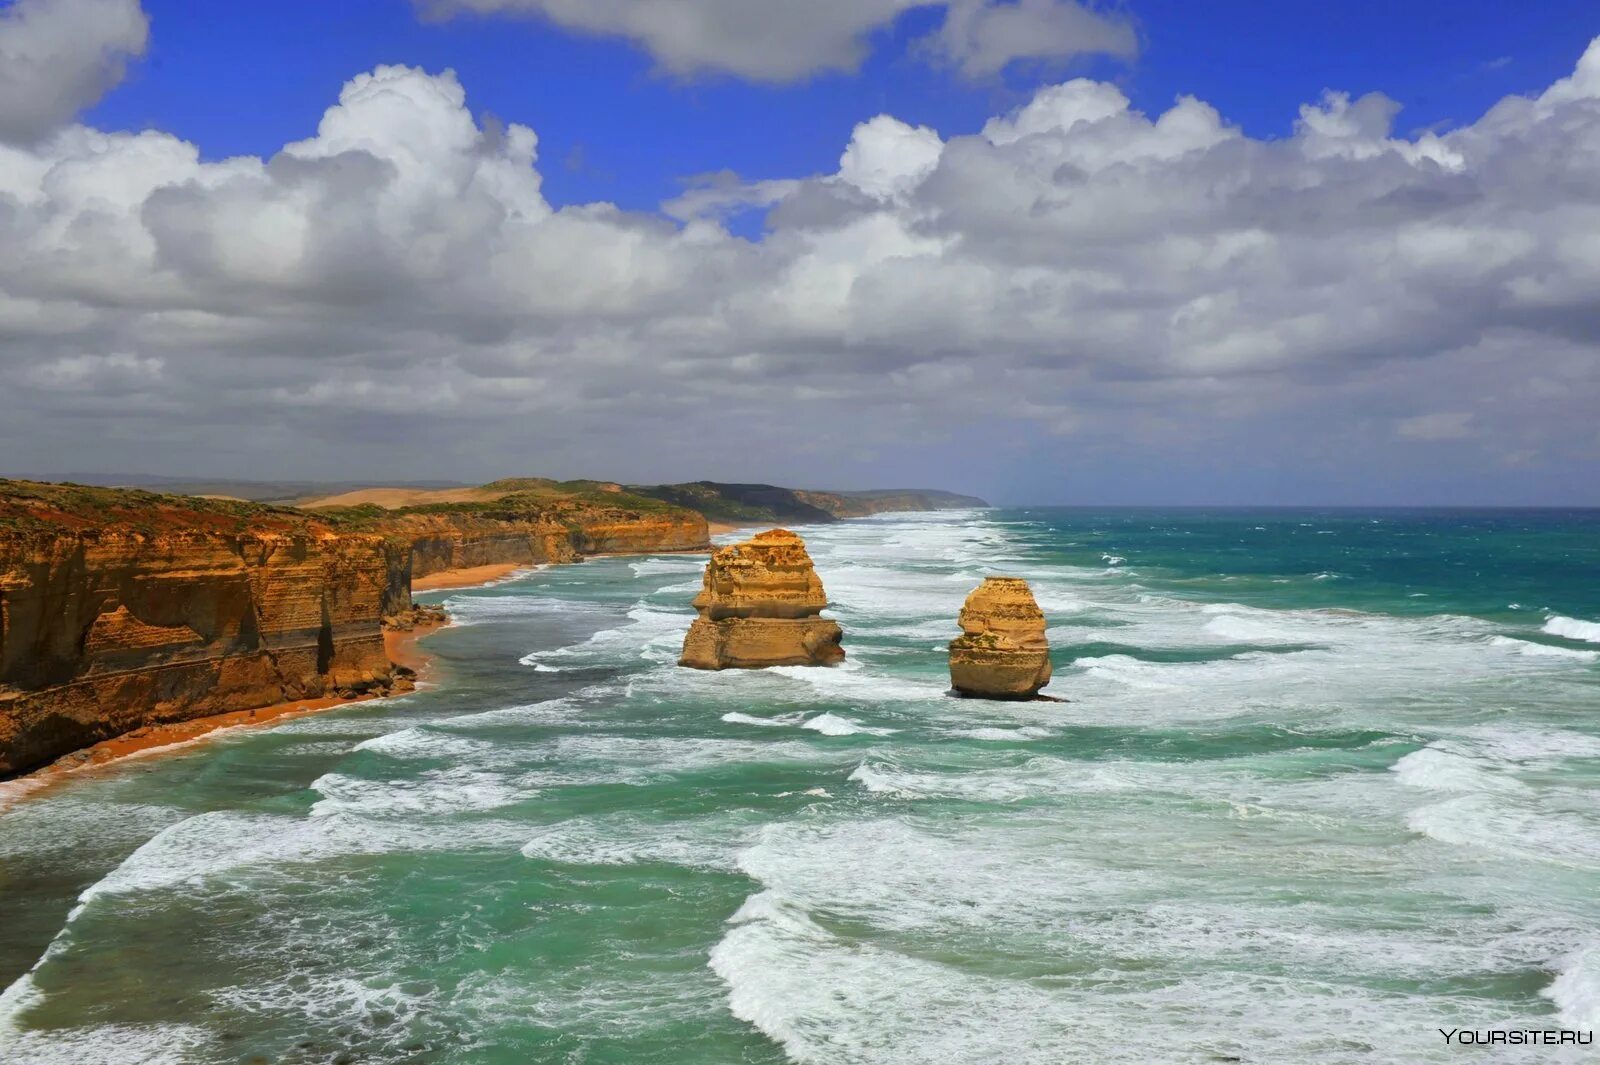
1001 652
760 606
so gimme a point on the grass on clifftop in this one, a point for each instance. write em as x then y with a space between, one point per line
37 506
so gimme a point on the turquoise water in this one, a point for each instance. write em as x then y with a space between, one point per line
1327 782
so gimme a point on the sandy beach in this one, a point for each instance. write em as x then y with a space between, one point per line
471 577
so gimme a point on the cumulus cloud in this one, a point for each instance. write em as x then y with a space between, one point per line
781 41
1078 298
59 56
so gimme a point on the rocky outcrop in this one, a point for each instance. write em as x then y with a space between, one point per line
1001 652
760 605
103 632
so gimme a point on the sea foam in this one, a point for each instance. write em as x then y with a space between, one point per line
1573 629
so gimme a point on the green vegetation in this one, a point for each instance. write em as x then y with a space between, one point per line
737 502
34 506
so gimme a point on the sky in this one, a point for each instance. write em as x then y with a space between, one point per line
1046 251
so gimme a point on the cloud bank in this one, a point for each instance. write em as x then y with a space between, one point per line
1076 300
780 41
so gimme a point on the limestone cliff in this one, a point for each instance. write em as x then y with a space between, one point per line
121 610
1002 652
528 522
760 605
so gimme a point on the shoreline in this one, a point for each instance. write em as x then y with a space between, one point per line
446 580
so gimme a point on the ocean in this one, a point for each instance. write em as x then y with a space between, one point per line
1327 782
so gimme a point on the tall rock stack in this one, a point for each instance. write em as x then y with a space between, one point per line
760 606
1001 652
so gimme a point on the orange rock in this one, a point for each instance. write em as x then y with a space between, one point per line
1001 652
760 606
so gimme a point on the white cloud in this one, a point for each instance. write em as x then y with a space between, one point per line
982 37
887 158
782 41
1443 425
59 56
1161 292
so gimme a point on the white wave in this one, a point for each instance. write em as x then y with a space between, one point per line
851 681
1576 990
1433 769
651 634
830 724
1573 629
1125 670
1112 560
1543 650
1520 830
420 742
1037 778
343 1000
624 840
532 658
106 1044
675 565
476 609
1528 744
861 996
1003 735
1249 630
445 791
778 721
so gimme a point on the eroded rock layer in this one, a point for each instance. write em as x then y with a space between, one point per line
1002 652
124 609
760 605
105 632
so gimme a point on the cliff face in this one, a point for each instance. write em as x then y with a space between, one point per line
440 542
759 606
103 632
1002 652
122 609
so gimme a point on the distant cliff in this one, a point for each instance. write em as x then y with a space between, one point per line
770 503
887 501
529 521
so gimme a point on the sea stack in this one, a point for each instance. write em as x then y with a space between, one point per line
1001 652
760 606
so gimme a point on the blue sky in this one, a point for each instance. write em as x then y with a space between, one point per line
1150 251
251 77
